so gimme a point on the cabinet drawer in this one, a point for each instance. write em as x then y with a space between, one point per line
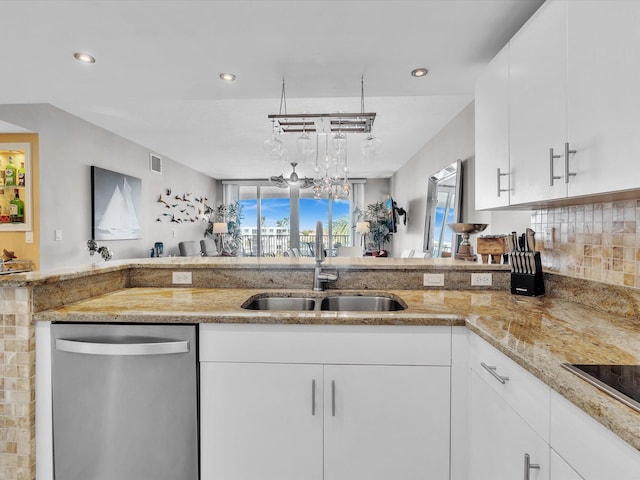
527 395
343 344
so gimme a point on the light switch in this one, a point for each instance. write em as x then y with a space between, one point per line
58 235
28 237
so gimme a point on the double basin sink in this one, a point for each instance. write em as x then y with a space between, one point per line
330 303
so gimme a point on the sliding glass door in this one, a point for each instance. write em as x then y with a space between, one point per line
276 220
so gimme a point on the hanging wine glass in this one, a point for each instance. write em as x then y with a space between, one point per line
371 147
274 148
339 146
306 151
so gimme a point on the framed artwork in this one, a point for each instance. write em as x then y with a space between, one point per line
116 205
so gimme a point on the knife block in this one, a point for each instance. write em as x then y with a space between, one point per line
529 284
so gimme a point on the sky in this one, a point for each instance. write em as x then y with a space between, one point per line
311 210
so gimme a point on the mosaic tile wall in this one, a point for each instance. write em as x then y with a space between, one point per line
17 385
598 242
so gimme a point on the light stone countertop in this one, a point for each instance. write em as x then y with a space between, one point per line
538 333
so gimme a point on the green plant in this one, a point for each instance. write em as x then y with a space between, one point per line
230 214
380 226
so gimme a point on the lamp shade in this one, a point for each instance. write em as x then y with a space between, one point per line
363 227
220 228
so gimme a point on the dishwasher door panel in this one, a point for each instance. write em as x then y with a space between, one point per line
125 402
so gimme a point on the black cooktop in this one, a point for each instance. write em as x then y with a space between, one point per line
619 381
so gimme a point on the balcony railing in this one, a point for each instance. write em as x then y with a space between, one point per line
276 245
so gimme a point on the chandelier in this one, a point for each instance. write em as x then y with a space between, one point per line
331 170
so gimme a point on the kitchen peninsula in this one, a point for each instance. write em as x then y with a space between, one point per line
538 334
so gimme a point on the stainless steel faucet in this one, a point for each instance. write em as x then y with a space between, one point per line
320 277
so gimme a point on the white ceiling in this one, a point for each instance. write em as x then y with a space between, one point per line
156 82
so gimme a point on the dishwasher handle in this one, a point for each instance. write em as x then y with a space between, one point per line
122 348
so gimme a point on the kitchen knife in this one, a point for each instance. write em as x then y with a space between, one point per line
531 241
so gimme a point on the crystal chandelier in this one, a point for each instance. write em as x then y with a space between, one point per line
331 169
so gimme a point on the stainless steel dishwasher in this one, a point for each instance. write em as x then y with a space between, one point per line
125 402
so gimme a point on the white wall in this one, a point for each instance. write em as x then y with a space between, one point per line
409 184
68 147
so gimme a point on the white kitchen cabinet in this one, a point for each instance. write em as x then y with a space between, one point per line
561 470
537 110
500 439
591 449
325 402
572 107
492 134
602 95
261 421
385 422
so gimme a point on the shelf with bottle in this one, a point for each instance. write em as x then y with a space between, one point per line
15 187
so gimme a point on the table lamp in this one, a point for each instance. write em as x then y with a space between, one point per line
220 229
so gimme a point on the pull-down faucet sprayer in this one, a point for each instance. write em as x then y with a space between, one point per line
320 277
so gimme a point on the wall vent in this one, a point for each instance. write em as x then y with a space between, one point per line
155 163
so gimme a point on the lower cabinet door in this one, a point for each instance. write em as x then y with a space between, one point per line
386 422
500 439
261 421
561 470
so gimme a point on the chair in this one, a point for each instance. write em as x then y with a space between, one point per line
408 253
421 255
189 249
296 252
349 252
208 247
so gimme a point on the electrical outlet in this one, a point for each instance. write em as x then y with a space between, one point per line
481 279
548 238
433 280
182 278
58 236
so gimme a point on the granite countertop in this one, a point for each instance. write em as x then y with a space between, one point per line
538 333
260 263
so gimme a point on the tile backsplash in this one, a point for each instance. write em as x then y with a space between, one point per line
598 241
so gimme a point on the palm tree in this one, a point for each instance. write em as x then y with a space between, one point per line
341 226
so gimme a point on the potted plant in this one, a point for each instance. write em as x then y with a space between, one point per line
230 214
377 215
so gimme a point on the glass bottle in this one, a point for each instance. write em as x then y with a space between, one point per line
16 209
22 178
10 173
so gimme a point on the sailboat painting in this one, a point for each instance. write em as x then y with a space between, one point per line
116 205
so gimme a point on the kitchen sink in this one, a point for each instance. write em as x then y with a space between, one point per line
330 303
361 303
280 303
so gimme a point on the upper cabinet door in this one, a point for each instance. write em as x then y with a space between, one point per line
538 105
492 134
603 101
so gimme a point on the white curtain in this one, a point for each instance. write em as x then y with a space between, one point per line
230 193
357 206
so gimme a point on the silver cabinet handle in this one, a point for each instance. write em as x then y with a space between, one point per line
500 190
313 397
120 346
333 398
552 157
528 466
492 370
567 152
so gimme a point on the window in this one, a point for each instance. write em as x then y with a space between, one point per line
276 220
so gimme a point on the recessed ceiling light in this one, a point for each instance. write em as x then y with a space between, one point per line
84 57
227 77
419 72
